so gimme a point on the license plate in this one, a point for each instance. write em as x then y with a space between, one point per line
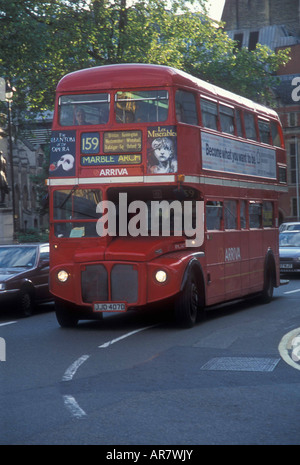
109 307
286 266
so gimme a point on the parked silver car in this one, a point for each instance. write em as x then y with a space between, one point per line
292 226
289 251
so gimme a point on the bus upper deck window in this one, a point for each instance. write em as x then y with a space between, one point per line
264 131
209 112
186 111
238 123
250 126
83 109
227 119
141 106
275 134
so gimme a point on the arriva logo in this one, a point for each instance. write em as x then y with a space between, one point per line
2 350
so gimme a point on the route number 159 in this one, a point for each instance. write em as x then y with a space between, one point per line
90 142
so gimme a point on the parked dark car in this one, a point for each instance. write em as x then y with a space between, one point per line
289 251
24 276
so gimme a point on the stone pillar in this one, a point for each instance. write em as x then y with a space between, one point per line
6 225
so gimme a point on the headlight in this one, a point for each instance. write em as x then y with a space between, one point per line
161 276
62 276
2 286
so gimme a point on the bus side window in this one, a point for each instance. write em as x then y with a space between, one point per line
214 212
264 131
230 214
209 112
238 123
249 126
243 214
186 111
227 119
255 215
268 214
275 134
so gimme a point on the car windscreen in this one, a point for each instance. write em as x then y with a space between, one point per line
13 257
289 239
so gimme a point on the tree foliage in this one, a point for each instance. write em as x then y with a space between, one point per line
43 40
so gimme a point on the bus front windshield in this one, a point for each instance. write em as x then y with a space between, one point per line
141 106
74 212
83 109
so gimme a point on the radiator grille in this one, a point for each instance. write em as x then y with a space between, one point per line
94 284
124 283
123 279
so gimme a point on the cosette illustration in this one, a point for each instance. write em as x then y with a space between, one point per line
162 156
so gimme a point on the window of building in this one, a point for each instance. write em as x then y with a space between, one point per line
239 40
209 112
294 207
253 39
25 198
186 111
292 119
33 197
227 119
282 174
293 167
249 126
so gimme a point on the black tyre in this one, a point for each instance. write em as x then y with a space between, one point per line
187 305
65 316
26 303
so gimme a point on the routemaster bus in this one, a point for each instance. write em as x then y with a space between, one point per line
163 188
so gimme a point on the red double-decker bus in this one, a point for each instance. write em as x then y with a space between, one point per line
127 137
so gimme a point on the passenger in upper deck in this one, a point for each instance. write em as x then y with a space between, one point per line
80 116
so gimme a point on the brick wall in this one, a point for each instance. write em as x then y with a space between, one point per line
254 14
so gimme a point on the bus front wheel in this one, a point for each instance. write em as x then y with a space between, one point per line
64 315
188 303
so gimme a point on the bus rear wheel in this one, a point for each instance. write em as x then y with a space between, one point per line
65 315
187 305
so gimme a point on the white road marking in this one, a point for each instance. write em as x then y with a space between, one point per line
70 372
286 344
113 341
7 323
74 408
292 292
69 401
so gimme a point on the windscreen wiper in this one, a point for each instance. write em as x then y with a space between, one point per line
68 196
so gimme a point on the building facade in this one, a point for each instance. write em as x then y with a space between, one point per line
276 24
24 214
